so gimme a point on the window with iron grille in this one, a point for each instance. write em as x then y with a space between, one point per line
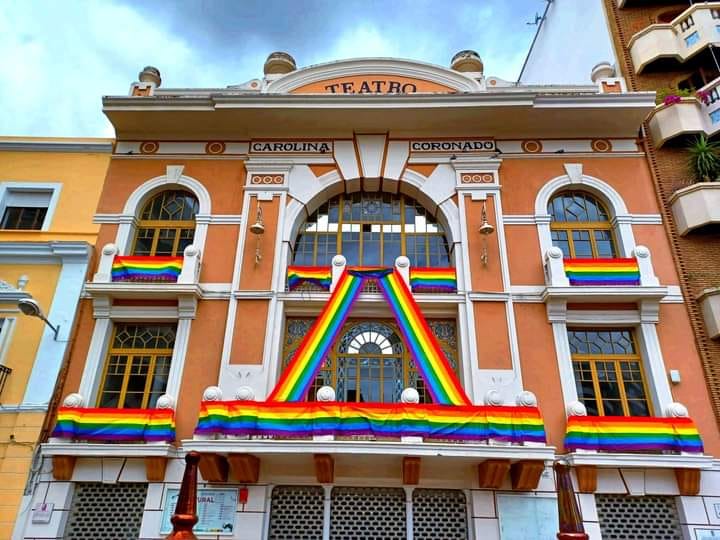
296 513
107 511
651 517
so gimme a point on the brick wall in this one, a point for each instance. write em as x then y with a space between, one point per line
698 254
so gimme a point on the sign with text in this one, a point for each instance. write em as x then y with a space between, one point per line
216 508
454 146
374 83
296 147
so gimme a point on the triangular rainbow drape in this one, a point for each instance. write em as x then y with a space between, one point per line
440 380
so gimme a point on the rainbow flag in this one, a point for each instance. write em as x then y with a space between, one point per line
441 280
305 363
317 275
593 272
440 379
298 419
632 433
141 425
146 268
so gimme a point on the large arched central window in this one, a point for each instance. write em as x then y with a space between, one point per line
371 229
580 226
166 224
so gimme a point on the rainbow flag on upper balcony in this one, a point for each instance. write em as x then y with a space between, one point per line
317 275
602 272
441 280
100 425
147 268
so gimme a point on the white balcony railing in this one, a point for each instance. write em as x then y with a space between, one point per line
693 30
189 274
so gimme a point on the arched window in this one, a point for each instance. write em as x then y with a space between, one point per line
369 362
580 226
371 229
166 224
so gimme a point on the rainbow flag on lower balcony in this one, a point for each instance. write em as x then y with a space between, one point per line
147 268
100 425
602 272
441 280
320 276
632 433
430 421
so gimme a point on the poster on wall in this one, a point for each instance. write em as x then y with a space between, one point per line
216 508
707 534
522 517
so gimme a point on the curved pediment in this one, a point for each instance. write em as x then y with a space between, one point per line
373 76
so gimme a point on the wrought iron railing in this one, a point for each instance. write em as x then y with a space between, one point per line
4 372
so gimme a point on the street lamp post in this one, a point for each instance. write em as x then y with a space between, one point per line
31 308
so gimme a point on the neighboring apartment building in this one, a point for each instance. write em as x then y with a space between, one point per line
49 189
381 298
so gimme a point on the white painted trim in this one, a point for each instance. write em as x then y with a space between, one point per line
374 66
649 461
565 367
655 371
179 357
53 188
532 219
124 450
94 363
8 328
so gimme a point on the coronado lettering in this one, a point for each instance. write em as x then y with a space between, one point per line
372 87
290 146
484 145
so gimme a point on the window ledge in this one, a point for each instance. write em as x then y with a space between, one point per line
125 289
645 461
604 294
80 449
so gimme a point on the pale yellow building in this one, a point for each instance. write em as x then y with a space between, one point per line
49 189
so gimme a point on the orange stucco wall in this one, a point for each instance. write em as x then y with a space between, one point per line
539 366
484 278
524 255
491 332
249 334
258 276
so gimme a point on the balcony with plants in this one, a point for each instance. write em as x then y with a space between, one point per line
682 112
691 33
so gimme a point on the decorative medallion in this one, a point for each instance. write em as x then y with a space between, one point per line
215 148
476 178
532 146
601 145
149 147
267 179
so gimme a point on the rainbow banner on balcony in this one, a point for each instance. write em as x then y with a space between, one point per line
147 268
440 380
632 433
292 420
317 275
139 425
440 280
602 272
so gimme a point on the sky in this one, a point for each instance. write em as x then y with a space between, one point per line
59 57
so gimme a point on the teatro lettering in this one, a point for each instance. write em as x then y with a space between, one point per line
372 87
319 147
475 145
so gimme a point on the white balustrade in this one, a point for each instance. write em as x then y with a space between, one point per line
189 273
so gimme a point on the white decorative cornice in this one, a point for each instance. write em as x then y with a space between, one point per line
44 252
102 146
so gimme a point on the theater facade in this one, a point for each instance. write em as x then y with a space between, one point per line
381 298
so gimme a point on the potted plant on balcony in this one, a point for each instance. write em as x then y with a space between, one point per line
704 159
670 96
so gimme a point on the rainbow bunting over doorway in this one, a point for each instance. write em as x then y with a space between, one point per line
440 380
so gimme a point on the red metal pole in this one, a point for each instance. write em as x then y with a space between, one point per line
185 516
571 526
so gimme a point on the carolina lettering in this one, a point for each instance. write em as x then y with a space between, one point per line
291 146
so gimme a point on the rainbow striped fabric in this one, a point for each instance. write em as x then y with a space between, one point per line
439 378
467 423
146 268
603 272
305 363
317 275
632 433
141 425
442 280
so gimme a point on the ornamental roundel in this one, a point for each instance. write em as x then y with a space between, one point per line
601 145
149 147
266 179
532 146
215 148
476 178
